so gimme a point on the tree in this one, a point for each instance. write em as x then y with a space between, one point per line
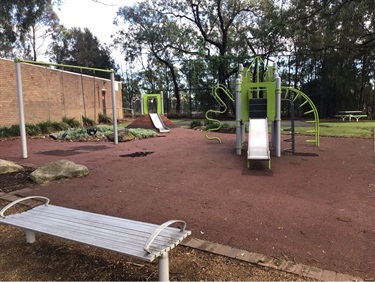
216 23
17 17
151 31
40 31
336 36
80 48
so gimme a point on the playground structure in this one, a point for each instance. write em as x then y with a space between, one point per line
155 117
258 98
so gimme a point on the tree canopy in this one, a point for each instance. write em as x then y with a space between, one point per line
183 47
323 47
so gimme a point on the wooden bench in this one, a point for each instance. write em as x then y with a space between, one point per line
137 239
350 114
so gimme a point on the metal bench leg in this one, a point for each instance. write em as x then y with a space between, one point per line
163 267
30 236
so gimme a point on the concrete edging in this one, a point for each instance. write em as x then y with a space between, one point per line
267 261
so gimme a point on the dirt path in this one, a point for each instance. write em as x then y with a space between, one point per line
316 207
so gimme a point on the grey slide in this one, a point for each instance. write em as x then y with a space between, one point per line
158 123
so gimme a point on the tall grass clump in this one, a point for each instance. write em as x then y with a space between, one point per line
102 118
51 126
72 122
87 122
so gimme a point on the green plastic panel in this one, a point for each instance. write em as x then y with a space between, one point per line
146 97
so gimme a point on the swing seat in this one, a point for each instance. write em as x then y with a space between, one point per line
91 131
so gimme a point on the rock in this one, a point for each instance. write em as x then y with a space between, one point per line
9 167
58 170
124 135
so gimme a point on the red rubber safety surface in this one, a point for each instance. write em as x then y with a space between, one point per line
316 207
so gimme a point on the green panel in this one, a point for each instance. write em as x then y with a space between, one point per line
146 97
251 90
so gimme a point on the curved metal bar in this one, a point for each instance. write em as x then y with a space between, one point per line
222 104
20 200
160 229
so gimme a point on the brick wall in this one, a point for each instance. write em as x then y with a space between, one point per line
50 94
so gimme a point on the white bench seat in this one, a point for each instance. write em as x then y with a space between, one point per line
137 239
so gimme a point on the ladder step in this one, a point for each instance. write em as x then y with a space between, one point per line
311 141
295 97
288 140
304 103
287 129
311 121
289 150
308 112
310 131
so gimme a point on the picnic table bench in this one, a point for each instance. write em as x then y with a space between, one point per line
350 114
137 239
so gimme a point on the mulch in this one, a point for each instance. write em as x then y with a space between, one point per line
315 207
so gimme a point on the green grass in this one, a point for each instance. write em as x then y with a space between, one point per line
342 129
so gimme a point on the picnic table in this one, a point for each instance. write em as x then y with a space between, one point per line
350 114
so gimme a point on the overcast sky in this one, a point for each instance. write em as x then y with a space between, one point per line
96 15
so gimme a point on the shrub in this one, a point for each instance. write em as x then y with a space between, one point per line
210 124
142 133
32 129
87 122
195 123
51 126
13 130
225 125
72 122
102 118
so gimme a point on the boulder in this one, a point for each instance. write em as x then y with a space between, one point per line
58 170
124 135
9 167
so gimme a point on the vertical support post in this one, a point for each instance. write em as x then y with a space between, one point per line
163 267
276 126
238 116
243 131
162 102
30 236
114 109
273 127
21 113
278 117
142 105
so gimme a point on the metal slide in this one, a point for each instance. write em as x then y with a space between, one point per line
258 145
158 123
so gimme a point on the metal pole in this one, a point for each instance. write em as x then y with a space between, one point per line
278 117
162 102
21 114
274 127
114 116
142 111
238 116
163 267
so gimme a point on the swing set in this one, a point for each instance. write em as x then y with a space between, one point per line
21 113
